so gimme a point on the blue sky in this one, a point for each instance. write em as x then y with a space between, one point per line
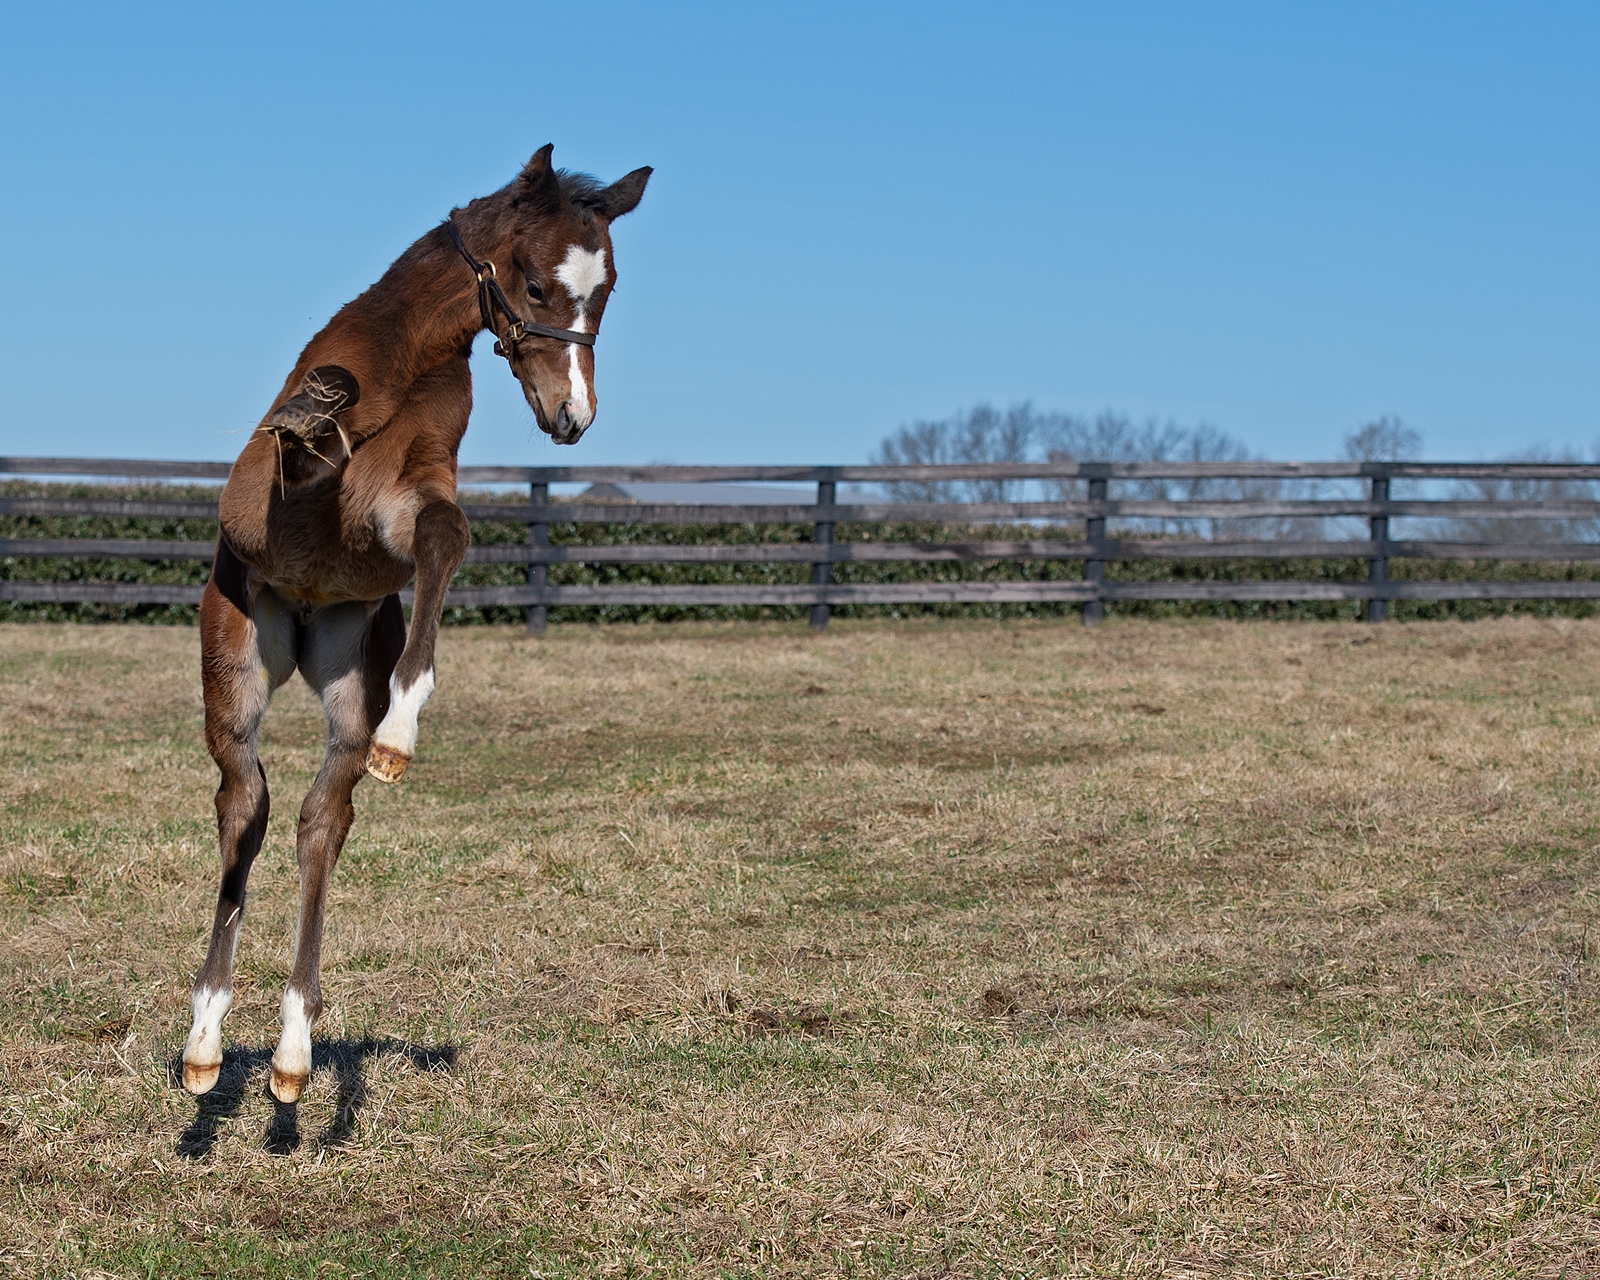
1281 219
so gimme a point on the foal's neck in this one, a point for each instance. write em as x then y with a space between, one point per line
420 315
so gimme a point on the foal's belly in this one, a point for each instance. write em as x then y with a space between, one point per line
318 580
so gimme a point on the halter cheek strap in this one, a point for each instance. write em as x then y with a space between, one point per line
492 297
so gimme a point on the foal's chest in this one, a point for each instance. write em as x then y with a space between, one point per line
317 546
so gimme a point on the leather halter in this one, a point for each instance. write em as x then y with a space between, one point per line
491 297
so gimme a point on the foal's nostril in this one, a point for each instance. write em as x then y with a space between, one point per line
566 428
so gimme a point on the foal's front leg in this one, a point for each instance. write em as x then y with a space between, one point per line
439 543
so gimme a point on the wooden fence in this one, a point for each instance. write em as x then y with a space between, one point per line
1052 518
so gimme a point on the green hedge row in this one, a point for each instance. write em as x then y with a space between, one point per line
29 569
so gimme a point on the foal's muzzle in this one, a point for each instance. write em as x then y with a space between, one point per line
566 429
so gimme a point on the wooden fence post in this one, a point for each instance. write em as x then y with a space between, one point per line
1378 566
1094 532
538 574
822 570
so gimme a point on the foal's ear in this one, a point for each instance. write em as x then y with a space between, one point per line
539 182
623 195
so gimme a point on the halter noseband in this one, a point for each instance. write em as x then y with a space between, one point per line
491 296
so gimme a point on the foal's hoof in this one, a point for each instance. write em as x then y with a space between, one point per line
386 764
286 1088
198 1079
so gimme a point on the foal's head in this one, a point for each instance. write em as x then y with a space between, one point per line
550 241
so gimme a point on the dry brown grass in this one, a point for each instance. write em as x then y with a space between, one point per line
963 948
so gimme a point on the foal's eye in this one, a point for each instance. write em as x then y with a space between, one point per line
535 292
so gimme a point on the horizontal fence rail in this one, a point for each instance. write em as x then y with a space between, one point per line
875 512
1085 510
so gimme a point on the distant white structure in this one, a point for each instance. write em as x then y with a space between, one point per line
701 494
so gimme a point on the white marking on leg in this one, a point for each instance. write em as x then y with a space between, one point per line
293 1055
398 731
204 1048
582 271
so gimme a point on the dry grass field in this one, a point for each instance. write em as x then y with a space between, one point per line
915 948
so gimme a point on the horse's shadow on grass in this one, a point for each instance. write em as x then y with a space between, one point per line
347 1060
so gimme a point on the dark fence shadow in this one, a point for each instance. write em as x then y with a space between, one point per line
243 1069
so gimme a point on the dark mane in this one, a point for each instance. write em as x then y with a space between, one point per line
582 189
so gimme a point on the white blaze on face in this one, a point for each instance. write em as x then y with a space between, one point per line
582 271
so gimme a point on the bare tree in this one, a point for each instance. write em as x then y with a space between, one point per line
1384 439
1023 434
1532 492
981 434
1114 437
1387 439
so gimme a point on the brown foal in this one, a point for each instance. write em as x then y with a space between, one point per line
347 491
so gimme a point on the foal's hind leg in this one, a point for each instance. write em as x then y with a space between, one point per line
247 650
346 655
